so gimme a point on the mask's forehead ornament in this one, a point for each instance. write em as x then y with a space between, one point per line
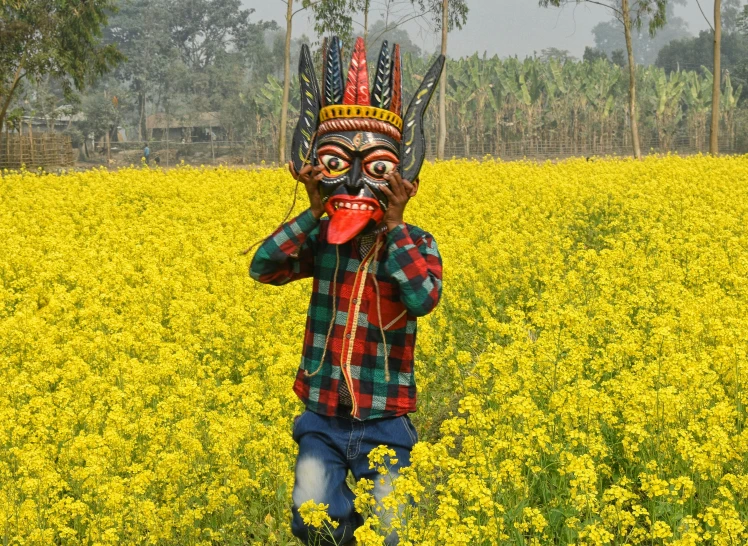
342 108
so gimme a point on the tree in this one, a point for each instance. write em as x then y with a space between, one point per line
60 38
593 54
731 15
330 16
609 38
560 55
203 31
631 14
714 134
446 14
394 35
618 57
140 31
362 6
101 114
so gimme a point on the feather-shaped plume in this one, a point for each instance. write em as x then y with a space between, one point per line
333 74
413 145
396 105
382 93
306 128
357 86
323 94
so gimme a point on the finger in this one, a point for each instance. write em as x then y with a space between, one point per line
386 190
318 177
292 170
306 169
408 187
398 188
394 181
391 197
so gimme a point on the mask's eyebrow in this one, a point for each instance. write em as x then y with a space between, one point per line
335 149
380 144
340 140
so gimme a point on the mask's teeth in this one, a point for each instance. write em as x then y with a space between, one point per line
354 206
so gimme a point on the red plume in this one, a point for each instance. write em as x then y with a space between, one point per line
396 105
357 86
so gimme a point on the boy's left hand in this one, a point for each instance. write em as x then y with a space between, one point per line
398 194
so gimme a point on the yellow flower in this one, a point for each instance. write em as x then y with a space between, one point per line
315 515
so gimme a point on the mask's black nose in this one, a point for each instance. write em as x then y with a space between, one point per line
355 182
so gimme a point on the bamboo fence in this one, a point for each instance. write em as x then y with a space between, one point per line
45 150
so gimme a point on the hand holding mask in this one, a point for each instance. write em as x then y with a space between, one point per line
360 139
310 177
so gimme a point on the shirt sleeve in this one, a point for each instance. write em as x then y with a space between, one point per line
288 254
417 268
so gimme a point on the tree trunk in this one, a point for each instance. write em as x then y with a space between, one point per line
141 123
366 23
714 135
286 86
212 149
6 103
168 129
632 79
443 86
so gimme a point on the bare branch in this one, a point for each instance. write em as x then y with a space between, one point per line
396 25
618 12
708 22
302 8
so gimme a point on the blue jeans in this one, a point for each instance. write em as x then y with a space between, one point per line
328 448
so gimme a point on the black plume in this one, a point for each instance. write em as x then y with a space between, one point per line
381 96
333 74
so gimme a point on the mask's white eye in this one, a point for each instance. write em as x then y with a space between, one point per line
334 163
379 167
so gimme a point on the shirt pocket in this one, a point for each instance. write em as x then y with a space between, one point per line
386 313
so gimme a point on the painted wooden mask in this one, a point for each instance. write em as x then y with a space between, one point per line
357 135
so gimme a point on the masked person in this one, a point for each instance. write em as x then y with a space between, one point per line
373 276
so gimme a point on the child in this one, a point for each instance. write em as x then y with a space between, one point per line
373 275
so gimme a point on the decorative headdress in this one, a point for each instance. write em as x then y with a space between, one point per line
351 106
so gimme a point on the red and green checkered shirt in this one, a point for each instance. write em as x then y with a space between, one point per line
375 299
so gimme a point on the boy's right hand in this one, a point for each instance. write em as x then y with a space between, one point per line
310 176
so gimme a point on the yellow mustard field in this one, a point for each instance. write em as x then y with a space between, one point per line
583 380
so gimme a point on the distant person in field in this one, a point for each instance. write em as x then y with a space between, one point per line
146 153
373 275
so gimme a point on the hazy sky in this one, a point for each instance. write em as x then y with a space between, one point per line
503 27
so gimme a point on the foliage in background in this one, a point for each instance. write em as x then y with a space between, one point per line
609 38
61 38
212 56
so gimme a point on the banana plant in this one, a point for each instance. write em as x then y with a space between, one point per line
698 102
728 107
668 111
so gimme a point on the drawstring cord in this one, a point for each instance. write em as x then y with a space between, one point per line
334 313
372 266
379 310
293 203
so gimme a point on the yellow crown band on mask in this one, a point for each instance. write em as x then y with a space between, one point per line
347 111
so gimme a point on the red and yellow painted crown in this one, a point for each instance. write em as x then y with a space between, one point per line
357 106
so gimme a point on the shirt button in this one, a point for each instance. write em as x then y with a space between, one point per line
348 336
355 300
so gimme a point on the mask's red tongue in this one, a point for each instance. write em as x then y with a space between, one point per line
345 224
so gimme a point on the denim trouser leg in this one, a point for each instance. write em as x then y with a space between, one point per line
328 448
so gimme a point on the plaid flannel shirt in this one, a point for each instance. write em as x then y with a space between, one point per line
375 300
